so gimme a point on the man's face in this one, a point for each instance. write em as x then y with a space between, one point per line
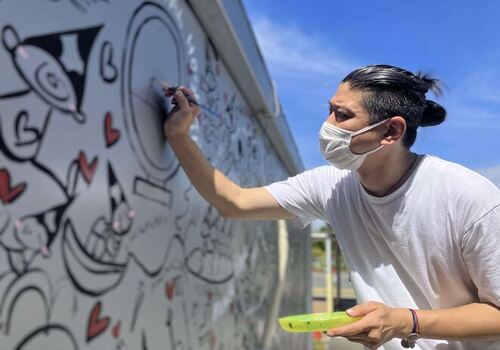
347 112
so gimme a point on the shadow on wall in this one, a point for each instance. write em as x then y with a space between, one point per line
103 241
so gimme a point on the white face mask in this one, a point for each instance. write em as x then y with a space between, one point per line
334 144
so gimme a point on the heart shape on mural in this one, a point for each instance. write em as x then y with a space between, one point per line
169 289
96 324
25 134
108 70
213 340
9 193
115 331
111 134
87 169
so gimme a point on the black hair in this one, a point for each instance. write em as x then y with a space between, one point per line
394 91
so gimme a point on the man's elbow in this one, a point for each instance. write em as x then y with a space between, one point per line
229 213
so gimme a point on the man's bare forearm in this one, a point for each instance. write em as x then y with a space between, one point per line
211 183
227 197
477 321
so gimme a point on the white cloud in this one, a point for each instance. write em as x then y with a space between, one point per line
471 115
484 85
311 59
492 173
474 102
310 65
294 53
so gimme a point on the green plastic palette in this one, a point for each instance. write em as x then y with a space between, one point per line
316 322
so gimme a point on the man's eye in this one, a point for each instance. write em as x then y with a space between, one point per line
339 115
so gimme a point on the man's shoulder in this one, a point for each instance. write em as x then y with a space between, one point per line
325 174
459 181
455 172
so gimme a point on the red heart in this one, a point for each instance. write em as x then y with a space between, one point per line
213 340
96 325
116 329
87 169
169 289
112 135
7 193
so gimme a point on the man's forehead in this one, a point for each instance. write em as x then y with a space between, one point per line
347 98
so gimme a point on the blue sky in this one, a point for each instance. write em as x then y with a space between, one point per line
310 46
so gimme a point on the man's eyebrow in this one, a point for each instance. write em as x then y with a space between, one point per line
344 109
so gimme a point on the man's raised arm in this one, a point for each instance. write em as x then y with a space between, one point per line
228 198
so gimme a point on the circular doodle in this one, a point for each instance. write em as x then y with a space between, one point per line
151 29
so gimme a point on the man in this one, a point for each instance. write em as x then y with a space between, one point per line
420 235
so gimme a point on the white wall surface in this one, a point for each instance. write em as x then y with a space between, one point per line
104 243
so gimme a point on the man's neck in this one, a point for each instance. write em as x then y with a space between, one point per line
383 175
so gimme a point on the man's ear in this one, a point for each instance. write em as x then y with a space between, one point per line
395 130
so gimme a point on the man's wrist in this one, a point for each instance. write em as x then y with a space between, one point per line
173 137
406 323
410 340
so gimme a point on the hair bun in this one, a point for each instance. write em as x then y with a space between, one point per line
430 83
434 114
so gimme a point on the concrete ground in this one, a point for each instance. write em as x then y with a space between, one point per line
340 343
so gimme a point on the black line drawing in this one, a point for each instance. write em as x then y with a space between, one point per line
36 280
34 234
90 276
22 129
95 266
212 261
209 83
174 344
107 67
83 5
143 340
137 305
54 65
29 234
46 336
4 221
116 279
143 107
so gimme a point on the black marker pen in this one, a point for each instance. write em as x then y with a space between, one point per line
172 89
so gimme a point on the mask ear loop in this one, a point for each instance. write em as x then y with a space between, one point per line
369 127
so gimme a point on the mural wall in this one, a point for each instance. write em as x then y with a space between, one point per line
104 243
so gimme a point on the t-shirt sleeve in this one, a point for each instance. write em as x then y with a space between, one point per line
481 254
302 195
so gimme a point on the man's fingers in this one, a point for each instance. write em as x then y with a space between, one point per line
363 335
188 92
168 91
350 330
360 337
174 109
363 309
182 101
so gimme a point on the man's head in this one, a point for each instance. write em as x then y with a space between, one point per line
380 92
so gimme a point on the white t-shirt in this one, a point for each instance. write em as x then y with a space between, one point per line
433 243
